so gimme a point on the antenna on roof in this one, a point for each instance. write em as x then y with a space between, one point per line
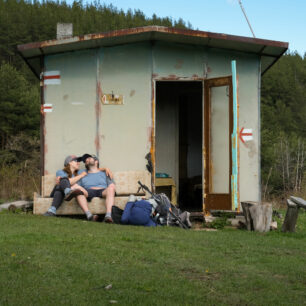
244 13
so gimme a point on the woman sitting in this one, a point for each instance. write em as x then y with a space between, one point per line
67 188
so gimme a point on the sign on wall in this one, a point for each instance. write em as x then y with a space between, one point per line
246 135
52 78
112 99
46 108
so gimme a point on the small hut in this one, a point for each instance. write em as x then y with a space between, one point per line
163 94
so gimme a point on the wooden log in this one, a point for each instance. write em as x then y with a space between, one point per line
261 215
291 217
16 204
246 212
258 216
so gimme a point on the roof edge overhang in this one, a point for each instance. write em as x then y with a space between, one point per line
269 50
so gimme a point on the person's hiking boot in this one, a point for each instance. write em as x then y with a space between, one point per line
108 219
94 218
73 193
49 214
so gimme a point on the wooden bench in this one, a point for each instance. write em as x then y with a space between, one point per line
126 184
293 206
167 182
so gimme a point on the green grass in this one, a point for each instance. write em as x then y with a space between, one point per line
60 261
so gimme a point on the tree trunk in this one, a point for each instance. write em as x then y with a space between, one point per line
291 217
246 212
258 216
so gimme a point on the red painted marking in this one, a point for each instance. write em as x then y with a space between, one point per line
48 77
241 134
42 108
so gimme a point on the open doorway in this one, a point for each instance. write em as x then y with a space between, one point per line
179 135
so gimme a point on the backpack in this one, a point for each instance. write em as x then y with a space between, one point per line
138 213
116 214
168 214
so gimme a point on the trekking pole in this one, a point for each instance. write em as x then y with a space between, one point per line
144 187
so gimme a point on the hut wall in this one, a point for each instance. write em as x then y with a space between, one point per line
187 62
70 127
121 134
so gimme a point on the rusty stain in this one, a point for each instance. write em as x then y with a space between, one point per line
149 133
98 114
208 69
195 76
98 109
132 92
99 92
154 75
179 64
65 97
176 78
97 142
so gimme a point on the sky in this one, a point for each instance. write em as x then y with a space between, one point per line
282 20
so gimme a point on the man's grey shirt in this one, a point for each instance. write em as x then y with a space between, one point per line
98 179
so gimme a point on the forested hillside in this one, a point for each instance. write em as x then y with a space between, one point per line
283 93
283 114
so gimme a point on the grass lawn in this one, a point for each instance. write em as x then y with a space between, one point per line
50 261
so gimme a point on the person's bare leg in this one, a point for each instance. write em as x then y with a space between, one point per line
82 201
109 194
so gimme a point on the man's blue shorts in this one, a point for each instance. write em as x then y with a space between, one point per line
94 193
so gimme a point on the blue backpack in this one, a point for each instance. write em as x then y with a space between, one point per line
138 213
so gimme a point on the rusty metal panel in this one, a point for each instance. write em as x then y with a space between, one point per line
249 118
177 62
126 129
71 126
219 63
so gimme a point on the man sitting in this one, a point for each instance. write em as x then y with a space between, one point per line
97 184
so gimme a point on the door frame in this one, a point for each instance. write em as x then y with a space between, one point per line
217 201
153 121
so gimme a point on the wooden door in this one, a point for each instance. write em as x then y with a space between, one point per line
218 127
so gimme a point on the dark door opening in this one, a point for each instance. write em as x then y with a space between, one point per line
178 140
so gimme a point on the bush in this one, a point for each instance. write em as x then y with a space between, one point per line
19 168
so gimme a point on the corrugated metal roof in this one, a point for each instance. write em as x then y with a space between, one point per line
269 50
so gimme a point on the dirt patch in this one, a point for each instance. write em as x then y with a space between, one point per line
205 275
